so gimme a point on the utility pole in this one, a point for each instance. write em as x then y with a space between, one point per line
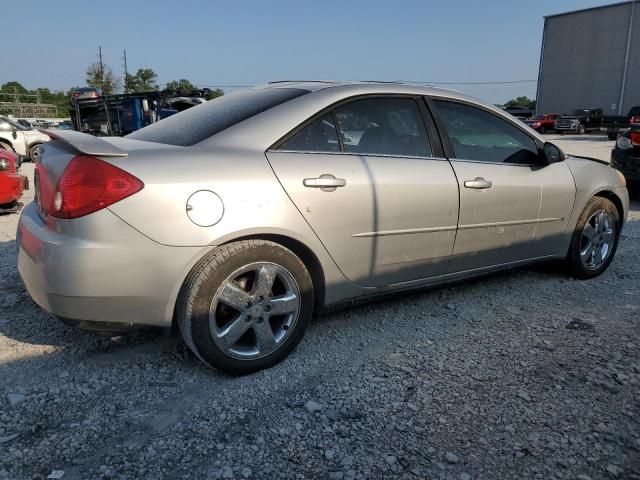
126 73
101 69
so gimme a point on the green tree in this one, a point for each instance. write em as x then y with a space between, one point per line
211 94
523 101
144 80
182 85
13 87
104 80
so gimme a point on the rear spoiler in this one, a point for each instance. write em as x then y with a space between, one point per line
85 143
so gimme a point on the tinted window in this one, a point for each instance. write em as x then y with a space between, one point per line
319 136
480 135
201 122
385 126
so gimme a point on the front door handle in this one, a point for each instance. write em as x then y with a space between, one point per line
479 183
326 182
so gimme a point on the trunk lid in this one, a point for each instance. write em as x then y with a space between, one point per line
64 146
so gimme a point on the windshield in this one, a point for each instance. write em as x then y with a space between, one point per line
537 117
15 124
579 113
203 121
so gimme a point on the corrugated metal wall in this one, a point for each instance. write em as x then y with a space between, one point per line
583 60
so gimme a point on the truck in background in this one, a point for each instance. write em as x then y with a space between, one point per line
581 121
119 115
613 125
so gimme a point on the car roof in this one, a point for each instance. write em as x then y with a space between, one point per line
363 87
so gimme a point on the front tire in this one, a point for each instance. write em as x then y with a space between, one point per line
612 136
581 130
595 239
245 306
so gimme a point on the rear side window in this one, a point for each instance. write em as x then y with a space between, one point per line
203 121
383 126
482 136
319 136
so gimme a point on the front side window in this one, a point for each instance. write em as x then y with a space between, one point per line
479 135
383 126
318 136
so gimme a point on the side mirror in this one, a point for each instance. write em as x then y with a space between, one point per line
552 153
14 132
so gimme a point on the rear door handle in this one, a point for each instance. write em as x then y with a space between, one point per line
479 183
326 182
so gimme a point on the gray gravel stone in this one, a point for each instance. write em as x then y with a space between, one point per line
15 399
451 457
312 406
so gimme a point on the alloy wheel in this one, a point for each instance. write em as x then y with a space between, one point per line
597 240
254 310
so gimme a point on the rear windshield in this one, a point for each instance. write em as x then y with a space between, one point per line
201 122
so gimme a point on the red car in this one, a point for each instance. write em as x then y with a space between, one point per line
12 183
543 123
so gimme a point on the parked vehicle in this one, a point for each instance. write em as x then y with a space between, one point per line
543 123
85 93
613 125
242 217
625 157
517 111
12 183
122 114
22 140
580 121
24 122
65 125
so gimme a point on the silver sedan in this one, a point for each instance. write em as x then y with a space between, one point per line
240 218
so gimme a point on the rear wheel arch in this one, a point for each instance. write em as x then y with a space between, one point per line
304 253
6 142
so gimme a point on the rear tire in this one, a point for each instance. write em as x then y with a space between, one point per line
231 310
34 152
595 239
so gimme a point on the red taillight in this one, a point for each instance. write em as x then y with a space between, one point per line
88 185
635 138
8 161
634 120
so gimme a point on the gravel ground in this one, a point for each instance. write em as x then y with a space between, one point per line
521 375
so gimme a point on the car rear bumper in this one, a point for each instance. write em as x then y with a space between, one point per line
100 270
627 162
12 186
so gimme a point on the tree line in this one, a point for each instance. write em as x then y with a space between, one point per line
144 80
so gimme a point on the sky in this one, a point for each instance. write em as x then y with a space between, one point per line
216 43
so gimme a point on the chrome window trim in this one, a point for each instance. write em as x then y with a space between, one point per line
353 154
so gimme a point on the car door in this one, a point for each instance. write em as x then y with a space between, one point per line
513 207
365 177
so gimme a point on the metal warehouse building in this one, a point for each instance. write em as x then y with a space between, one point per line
591 59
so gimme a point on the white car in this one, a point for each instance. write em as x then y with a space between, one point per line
22 140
